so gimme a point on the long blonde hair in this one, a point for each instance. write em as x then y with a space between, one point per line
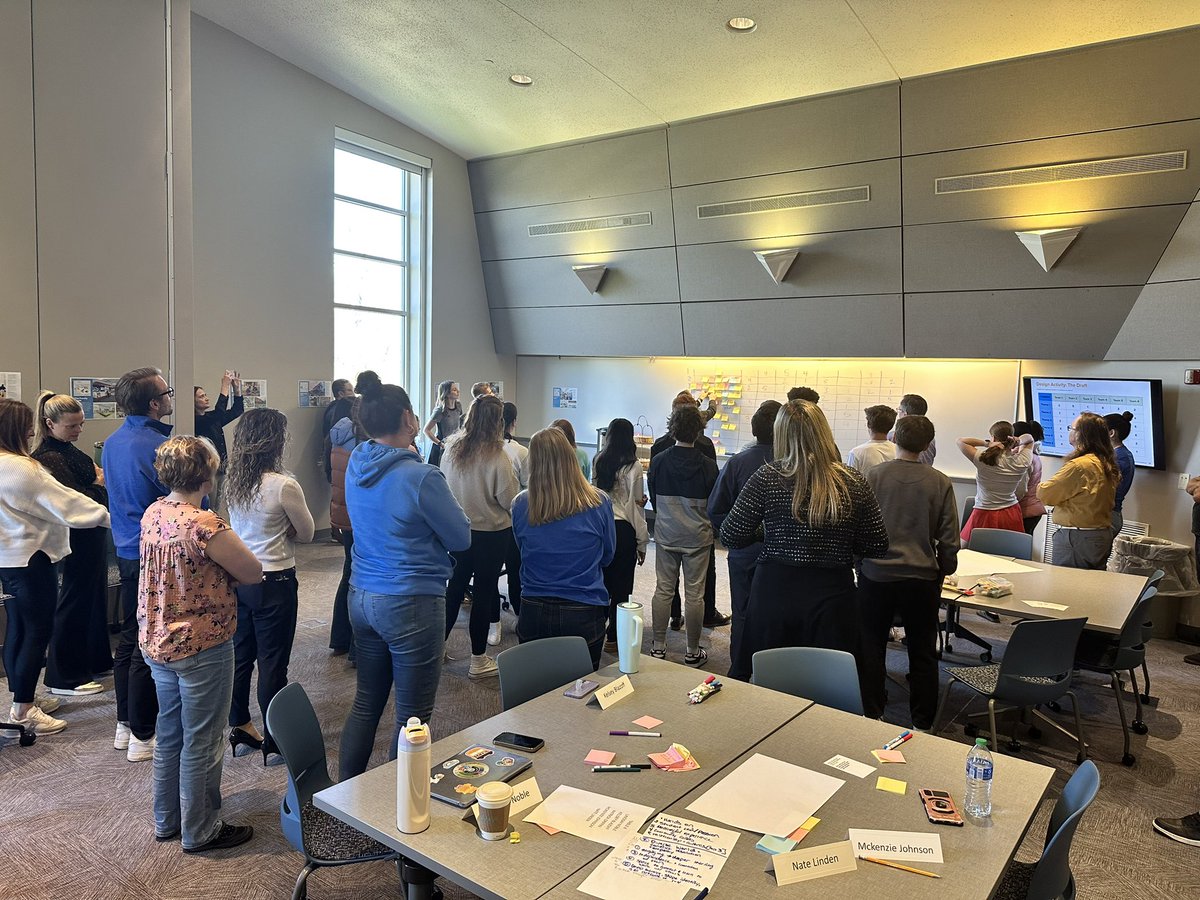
808 455
557 488
51 406
482 433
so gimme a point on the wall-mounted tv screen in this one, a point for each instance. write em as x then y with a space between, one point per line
1055 403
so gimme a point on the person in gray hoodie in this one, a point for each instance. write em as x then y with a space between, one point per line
917 502
406 524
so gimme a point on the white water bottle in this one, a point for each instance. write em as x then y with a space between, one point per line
978 803
412 777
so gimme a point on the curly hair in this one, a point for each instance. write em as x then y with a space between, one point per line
185 462
258 443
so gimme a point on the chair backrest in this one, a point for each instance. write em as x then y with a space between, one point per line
1131 642
1038 649
528 670
1002 542
293 726
1052 875
829 677
968 505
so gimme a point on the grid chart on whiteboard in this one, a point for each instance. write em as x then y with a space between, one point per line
1058 409
845 393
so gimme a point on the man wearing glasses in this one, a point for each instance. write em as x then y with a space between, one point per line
133 485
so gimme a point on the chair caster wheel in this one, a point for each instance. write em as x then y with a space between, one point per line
1079 758
27 739
1128 759
1054 705
1138 728
971 730
1014 746
986 656
1035 732
949 647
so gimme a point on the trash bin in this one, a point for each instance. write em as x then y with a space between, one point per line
1138 555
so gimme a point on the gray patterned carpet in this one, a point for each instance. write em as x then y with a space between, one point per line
75 819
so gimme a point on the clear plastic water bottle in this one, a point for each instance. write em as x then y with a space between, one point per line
978 802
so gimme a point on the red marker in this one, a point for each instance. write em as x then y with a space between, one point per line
710 679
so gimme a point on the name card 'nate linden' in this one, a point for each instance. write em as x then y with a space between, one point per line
815 862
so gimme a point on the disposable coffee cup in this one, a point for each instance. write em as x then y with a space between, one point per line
495 800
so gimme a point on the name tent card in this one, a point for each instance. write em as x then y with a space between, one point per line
525 795
815 862
614 691
915 846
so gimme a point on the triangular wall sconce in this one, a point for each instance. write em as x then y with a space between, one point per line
778 262
1048 244
591 276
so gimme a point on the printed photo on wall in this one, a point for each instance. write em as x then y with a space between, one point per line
97 396
497 388
10 385
254 393
564 397
315 393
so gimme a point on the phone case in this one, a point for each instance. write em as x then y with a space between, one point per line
585 688
940 808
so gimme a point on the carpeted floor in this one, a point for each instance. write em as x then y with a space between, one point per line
75 819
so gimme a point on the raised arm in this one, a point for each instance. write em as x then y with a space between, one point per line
969 446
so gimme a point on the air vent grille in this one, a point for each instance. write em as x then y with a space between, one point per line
598 224
1175 161
860 194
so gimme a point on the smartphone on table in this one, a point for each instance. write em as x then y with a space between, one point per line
523 742
939 807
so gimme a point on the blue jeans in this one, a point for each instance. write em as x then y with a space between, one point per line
193 703
399 640
543 617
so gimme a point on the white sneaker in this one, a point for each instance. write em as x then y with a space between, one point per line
37 721
140 751
47 704
121 741
482 667
495 631
92 687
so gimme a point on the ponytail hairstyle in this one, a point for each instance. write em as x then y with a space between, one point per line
619 451
510 419
1092 437
809 458
54 406
443 392
258 443
1118 423
482 432
16 421
557 488
382 406
1002 433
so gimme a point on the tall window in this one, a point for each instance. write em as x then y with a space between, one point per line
377 260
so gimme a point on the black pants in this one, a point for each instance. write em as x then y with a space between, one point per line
83 591
1031 523
710 592
512 564
30 611
799 606
618 574
137 700
341 635
544 617
484 559
741 577
266 628
916 601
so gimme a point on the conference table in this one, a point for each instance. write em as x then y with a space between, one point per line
722 732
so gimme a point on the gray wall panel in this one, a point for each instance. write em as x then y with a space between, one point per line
921 204
1116 247
819 131
633 276
831 264
1162 324
628 164
1129 83
648 330
1063 323
503 233
825 326
1181 259
882 209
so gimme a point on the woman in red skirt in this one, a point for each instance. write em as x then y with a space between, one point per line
1000 464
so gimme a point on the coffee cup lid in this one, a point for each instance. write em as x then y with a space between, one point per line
494 792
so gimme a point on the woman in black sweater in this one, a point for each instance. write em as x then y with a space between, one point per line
79 645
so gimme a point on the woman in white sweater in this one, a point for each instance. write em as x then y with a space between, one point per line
483 481
268 512
36 516
618 472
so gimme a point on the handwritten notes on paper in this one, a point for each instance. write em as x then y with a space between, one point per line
673 856
849 766
591 816
909 845
815 862
614 691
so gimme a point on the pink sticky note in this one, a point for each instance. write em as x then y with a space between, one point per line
888 756
648 722
599 758
547 828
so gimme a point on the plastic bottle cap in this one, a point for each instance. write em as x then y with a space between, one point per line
981 742
414 733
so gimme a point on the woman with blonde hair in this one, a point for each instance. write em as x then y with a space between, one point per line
567 535
191 561
815 516
1000 464
483 481
79 644
1082 493
268 512
36 515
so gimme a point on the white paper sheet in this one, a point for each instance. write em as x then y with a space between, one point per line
972 563
767 796
593 817
849 766
673 856
1043 604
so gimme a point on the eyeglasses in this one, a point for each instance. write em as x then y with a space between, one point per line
169 392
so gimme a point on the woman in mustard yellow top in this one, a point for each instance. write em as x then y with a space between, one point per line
1082 493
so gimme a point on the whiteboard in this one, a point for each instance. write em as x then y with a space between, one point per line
965 396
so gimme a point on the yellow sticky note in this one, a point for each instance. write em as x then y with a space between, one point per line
893 785
736 410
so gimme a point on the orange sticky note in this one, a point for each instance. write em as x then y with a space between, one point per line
599 758
888 756
647 722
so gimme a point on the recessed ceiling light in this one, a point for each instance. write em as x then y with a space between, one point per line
520 80
741 24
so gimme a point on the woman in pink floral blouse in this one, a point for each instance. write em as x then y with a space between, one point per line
187 613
